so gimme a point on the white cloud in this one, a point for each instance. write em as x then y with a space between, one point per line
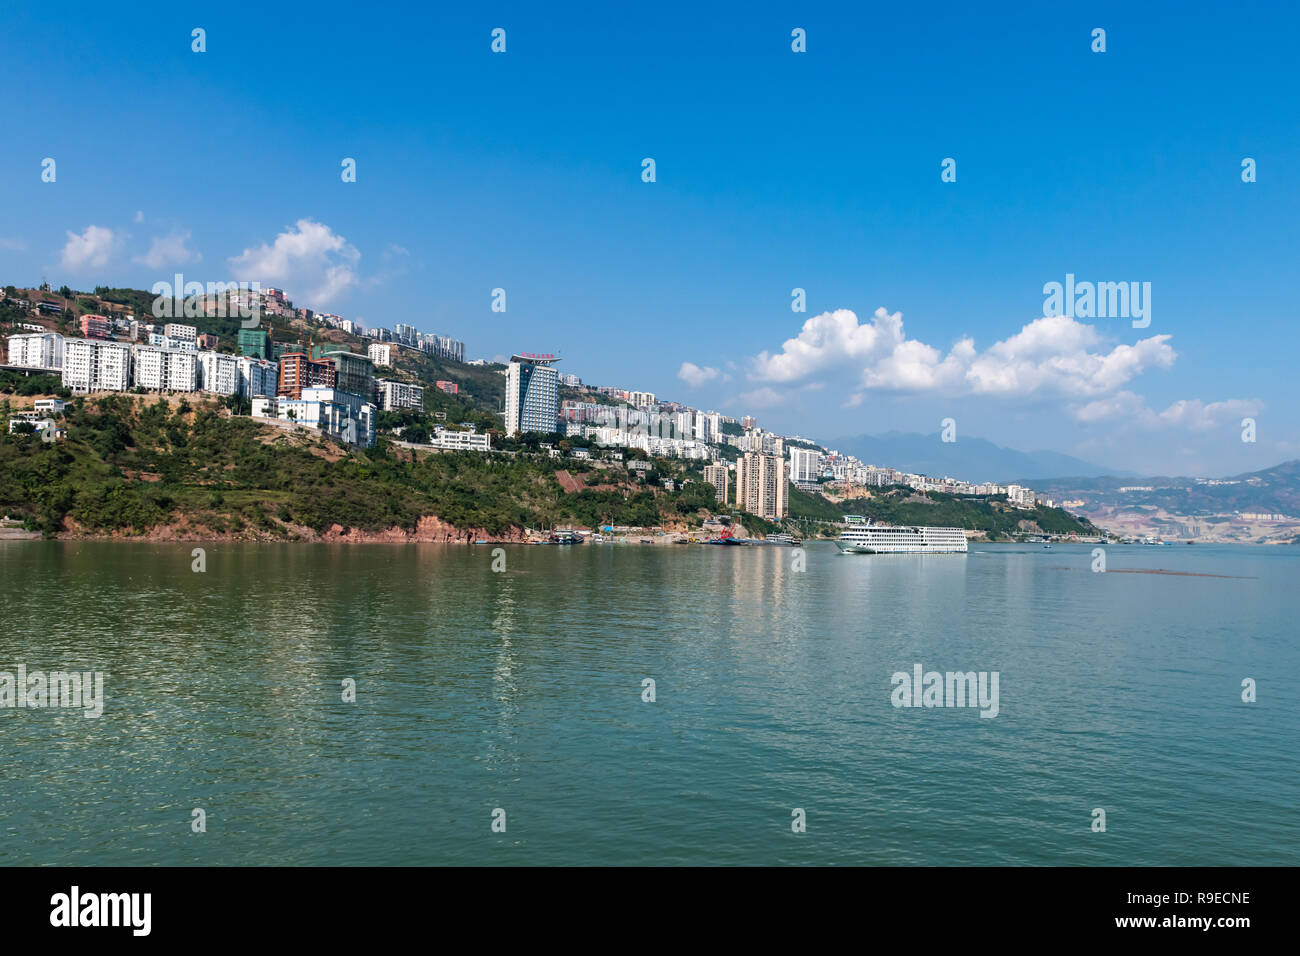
139 215
1049 355
696 375
169 251
90 250
13 245
831 338
1191 414
308 260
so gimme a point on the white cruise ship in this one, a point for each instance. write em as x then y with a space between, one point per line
860 536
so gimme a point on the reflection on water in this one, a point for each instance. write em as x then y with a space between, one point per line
522 690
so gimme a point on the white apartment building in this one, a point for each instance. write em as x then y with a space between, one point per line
181 333
461 441
683 425
340 414
394 395
42 350
218 373
165 370
381 353
1020 496
258 378
162 341
803 464
91 365
707 426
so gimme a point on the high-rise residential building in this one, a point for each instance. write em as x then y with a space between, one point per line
355 373
708 426
257 377
208 342
640 399
380 353
91 366
451 388
803 464
532 392
449 348
38 350
394 395
761 486
253 343
717 476
748 422
683 425
297 372
218 373
164 370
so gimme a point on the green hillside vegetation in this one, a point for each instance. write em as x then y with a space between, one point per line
903 506
482 387
17 383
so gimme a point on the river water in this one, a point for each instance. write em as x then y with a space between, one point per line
518 695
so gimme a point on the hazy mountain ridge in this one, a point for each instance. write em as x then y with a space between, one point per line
971 459
1274 490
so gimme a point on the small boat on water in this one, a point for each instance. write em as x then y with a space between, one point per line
565 537
783 539
728 537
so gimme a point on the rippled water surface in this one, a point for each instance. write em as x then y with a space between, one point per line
523 690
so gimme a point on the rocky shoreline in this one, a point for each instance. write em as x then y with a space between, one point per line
428 529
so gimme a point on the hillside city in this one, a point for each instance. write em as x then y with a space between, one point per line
299 368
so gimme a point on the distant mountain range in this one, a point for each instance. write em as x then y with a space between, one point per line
1273 490
1258 507
971 459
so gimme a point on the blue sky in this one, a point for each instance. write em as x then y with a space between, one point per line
775 170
